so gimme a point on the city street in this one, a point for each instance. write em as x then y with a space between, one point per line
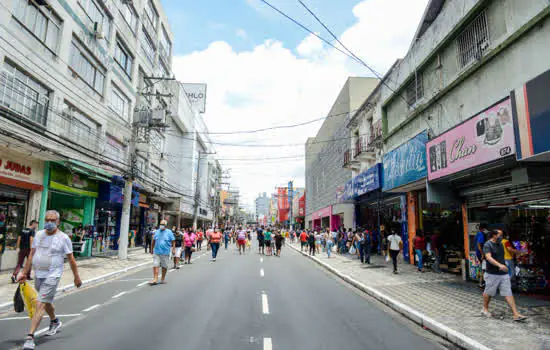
238 302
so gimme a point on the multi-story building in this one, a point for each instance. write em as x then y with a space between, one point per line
79 80
466 127
262 205
325 175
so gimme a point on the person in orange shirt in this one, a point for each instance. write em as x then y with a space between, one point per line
200 237
303 240
214 239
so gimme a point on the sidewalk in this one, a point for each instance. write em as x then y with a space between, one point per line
452 302
90 269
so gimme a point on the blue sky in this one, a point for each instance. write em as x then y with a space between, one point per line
197 23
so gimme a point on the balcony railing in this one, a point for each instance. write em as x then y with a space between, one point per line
349 161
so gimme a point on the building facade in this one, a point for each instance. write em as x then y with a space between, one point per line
262 205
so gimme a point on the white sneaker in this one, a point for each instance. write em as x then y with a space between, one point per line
29 344
214 259
54 328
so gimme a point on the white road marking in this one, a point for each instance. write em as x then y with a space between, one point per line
262 272
261 260
27 317
119 295
267 344
133 279
265 304
143 283
172 270
91 308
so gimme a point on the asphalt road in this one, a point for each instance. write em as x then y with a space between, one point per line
236 303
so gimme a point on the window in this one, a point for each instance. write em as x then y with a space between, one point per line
123 58
141 165
148 47
115 151
120 103
162 71
151 14
87 67
23 94
415 90
473 42
156 141
129 14
78 127
41 22
95 14
165 47
145 86
156 174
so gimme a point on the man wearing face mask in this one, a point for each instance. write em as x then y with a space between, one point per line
48 251
496 275
163 240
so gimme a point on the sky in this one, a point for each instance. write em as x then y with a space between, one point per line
264 71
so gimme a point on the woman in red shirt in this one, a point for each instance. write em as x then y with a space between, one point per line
419 244
214 239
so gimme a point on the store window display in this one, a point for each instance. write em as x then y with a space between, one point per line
12 217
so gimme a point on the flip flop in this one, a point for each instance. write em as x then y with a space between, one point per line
520 319
153 283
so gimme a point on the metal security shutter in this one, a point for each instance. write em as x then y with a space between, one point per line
14 192
506 193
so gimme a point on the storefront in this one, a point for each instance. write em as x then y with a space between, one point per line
321 218
471 169
405 174
21 188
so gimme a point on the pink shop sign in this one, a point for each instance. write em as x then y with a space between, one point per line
322 213
484 138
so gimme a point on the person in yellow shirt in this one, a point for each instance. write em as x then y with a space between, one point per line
509 253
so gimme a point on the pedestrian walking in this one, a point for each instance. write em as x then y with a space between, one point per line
311 242
241 240
419 244
318 237
303 240
279 239
148 239
435 242
200 238
480 243
178 243
48 250
329 243
163 244
23 245
214 240
496 276
189 239
395 245
267 240
365 247
261 242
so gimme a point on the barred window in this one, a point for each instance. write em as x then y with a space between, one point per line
115 151
414 90
473 42
123 58
79 127
23 94
148 47
120 103
42 22
165 45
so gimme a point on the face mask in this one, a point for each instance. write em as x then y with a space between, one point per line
162 227
499 240
50 226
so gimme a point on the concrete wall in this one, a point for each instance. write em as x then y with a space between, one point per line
504 67
324 160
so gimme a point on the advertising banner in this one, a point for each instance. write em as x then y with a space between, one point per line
20 168
62 179
196 93
367 181
282 204
483 138
406 163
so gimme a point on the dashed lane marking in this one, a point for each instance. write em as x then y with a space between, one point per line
265 304
262 272
268 344
91 308
119 295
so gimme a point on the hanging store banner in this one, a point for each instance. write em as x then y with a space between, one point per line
483 138
19 170
63 180
531 110
196 93
367 181
406 163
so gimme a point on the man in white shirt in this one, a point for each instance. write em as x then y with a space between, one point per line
49 248
395 245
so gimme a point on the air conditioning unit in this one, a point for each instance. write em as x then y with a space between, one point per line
158 116
98 31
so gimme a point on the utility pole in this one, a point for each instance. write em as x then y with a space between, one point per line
135 128
290 196
197 193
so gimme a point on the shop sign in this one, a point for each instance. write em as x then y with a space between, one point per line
142 198
322 213
406 163
18 168
486 137
62 179
531 109
367 181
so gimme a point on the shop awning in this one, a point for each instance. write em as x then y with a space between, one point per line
88 170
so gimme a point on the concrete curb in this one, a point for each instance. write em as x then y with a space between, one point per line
87 283
417 317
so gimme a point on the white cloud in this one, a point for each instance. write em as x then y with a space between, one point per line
276 85
241 33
